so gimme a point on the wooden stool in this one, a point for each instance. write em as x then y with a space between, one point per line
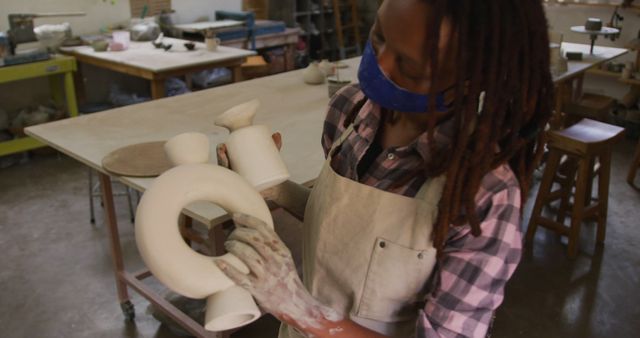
582 143
591 106
633 169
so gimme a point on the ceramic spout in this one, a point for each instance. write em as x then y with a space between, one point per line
231 308
239 116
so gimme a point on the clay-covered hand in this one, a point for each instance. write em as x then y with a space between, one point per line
269 194
273 280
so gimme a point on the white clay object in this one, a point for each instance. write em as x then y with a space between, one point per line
313 75
251 150
327 67
179 267
188 148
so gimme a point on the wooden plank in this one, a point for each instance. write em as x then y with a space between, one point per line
56 65
154 7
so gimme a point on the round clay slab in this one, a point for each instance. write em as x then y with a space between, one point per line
138 160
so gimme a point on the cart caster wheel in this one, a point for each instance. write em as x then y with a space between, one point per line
128 311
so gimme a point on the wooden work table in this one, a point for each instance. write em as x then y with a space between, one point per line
143 60
289 106
568 85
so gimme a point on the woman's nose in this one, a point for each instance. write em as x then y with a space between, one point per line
385 60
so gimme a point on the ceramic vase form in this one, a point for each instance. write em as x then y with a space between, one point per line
250 148
171 260
328 68
313 75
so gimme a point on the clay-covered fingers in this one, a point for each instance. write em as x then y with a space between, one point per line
234 274
277 139
252 238
248 255
223 158
269 236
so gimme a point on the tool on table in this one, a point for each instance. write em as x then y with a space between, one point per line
593 27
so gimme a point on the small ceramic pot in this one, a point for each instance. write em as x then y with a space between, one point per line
250 148
313 75
100 45
188 148
328 68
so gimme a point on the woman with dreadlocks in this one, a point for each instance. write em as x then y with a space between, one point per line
413 226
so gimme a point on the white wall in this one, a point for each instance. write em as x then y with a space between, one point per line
101 14
190 10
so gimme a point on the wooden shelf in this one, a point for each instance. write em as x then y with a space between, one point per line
635 8
601 72
58 65
635 82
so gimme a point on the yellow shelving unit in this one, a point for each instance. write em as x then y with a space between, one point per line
54 68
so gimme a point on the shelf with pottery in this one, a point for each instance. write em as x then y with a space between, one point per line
62 92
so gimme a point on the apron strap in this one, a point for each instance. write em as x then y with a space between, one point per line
337 143
429 196
431 190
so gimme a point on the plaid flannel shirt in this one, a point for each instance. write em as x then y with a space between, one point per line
470 278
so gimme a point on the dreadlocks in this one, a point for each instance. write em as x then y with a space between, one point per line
503 54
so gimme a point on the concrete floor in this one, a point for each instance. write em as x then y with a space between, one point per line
56 279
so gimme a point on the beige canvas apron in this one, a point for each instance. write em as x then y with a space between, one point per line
368 252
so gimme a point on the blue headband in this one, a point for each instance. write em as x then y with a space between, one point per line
381 90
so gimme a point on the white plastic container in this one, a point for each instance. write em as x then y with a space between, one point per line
123 38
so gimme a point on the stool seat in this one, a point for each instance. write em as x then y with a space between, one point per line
580 145
584 136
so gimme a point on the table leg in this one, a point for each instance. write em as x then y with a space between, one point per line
114 241
236 73
157 89
78 82
557 119
70 95
577 92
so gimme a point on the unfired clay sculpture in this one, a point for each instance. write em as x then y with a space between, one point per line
250 148
313 75
171 260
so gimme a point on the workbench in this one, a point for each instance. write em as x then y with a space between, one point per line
290 106
143 60
63 91
568 85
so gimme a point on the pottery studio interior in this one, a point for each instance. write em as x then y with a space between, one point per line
198 168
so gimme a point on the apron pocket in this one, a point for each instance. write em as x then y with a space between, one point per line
395 284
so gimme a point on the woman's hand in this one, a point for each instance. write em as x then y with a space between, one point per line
273 280
270 194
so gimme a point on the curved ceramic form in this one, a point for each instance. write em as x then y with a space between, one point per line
251 150
174 263
313 75
188 148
